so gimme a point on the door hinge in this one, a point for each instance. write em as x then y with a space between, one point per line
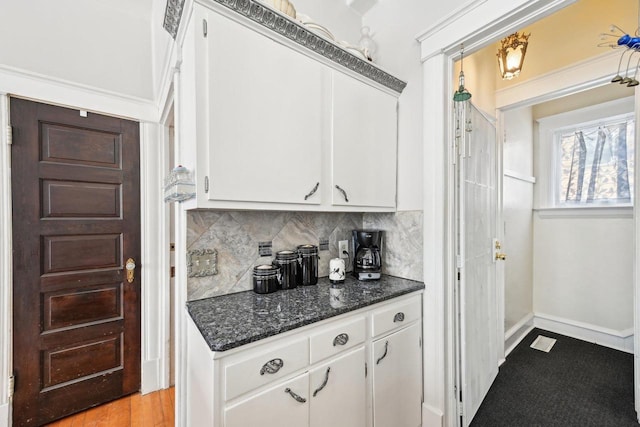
460 409
206 184
9 135
420 342
365 370
205 30
12 385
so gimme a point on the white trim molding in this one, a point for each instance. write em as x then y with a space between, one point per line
6 264
593 72
519 176
52 90
585 212
618 340
517 332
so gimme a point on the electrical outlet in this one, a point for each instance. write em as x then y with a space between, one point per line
343 248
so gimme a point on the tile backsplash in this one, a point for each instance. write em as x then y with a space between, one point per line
235 236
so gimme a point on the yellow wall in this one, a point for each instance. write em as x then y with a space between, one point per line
564 38
571 35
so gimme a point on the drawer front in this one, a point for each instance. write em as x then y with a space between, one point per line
336 338
265 366
397 315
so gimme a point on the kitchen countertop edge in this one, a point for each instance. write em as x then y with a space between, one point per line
228 334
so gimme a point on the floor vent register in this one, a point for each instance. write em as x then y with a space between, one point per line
543 343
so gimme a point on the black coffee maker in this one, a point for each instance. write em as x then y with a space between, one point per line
367 247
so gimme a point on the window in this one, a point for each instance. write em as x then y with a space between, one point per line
595 163
584 160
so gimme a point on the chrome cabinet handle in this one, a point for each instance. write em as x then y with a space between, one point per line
313 191
295 396
272 366
386 347
324 383
399 317
341 339
344 193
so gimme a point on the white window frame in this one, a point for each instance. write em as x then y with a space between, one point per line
547 200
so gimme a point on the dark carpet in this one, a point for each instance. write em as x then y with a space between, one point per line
576 384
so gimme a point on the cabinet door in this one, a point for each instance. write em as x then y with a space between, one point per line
397 379
265 118
274 407
364 144
337 392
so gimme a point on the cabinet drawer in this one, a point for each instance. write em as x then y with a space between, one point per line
397 315
265 366
336 338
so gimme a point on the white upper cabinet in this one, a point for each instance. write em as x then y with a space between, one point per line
269 124
363 150
265 118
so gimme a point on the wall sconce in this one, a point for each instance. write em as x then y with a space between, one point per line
511 55
179 185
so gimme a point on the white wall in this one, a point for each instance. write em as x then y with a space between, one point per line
395 25
518 205
101 44
583 265
583 270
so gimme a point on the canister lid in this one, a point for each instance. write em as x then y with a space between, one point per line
265 270
307 249
286 255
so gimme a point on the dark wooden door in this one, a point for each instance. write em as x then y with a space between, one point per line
76 220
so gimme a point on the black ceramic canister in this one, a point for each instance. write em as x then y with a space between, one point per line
288 263
307 265
265 278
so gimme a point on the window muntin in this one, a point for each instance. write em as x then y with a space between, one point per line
596 163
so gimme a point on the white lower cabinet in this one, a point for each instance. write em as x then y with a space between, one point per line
336 373
338 390
276 406
397 379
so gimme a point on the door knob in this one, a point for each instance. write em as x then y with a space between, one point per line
497 255
130 266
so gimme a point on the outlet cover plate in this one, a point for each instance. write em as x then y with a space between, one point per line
343 246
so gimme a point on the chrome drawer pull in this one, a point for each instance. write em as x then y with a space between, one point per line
295 396
341 339
272 366
324 383
386 347
399 317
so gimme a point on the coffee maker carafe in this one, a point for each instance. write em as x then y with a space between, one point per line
367 261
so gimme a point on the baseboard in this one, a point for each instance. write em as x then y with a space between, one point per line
431 417
517 332
150 376
4 415
618 340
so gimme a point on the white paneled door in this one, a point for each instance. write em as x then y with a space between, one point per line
477 211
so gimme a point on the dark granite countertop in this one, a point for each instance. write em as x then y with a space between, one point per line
229 321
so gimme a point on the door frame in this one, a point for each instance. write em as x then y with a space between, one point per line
491 20
154 261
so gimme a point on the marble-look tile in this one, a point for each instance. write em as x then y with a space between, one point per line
198 222
402 251
262 225
294 233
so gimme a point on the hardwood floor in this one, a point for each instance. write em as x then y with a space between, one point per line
155 409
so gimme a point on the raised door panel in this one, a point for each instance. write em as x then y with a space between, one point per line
364 144
265 118
338 391
283 405
397 379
